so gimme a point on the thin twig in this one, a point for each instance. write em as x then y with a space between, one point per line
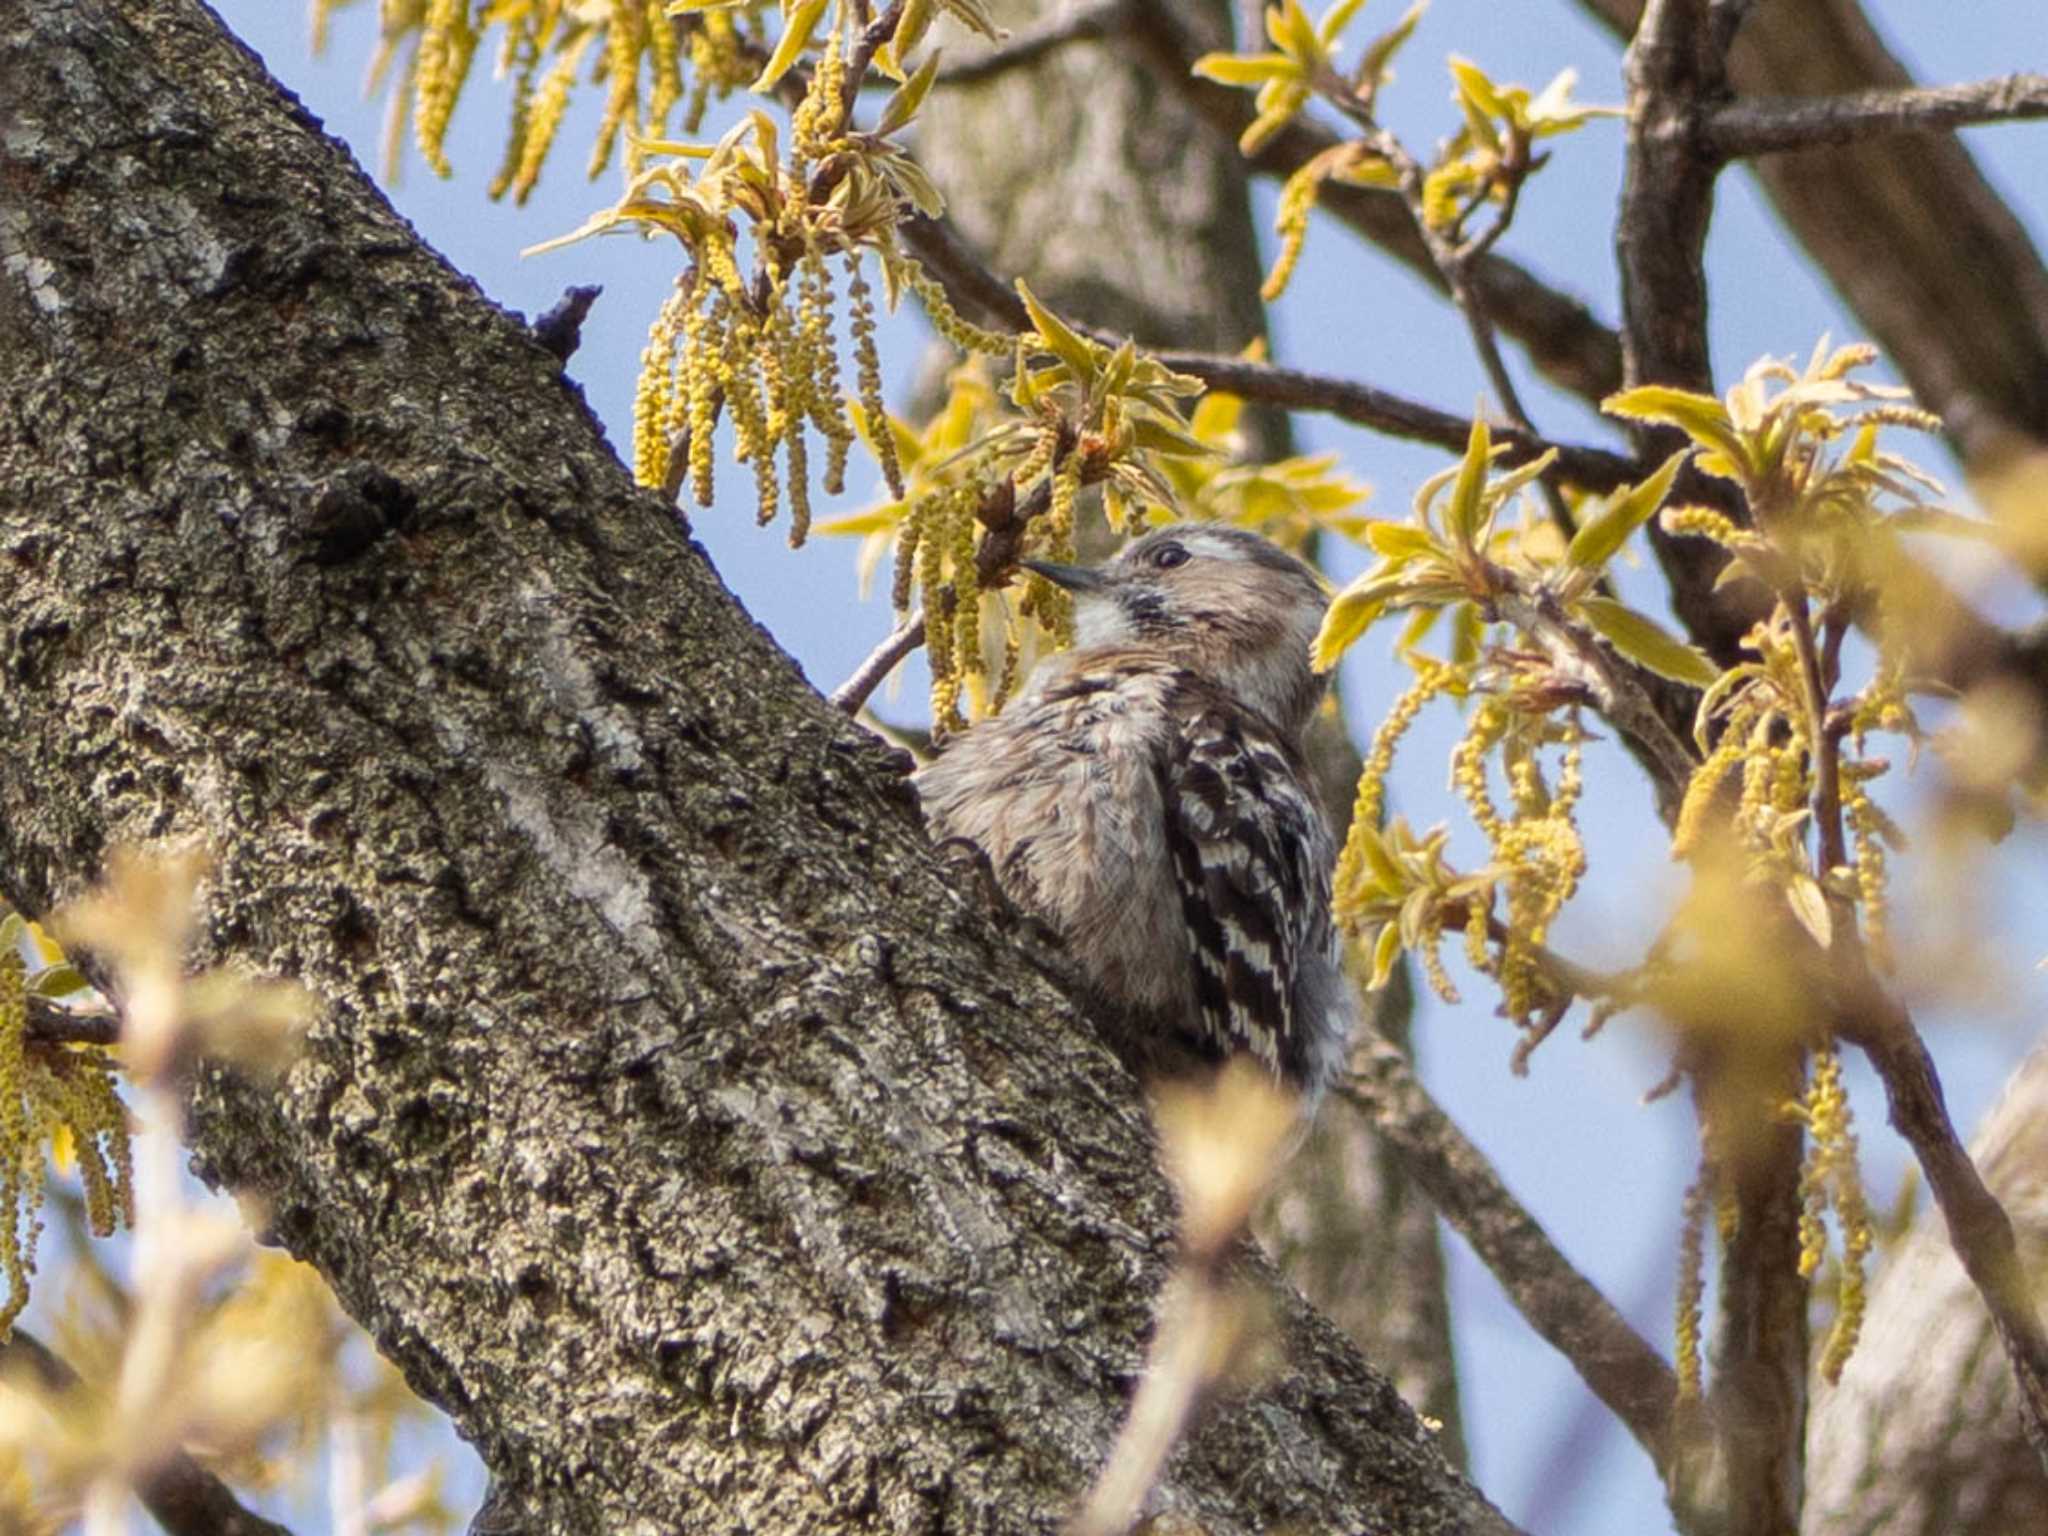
1564 1307
873 35
1827 773
850 695
1620 690
1005 518
1767 125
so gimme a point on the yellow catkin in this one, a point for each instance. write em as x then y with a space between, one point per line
19 1187
704 327
1705 784
939 617
1372 781
719 64
654 394
75 1096
519 60
1831 1178
1867 825
784 372
317 23
1692 1287
1571 778
1053 606
1468 764
715 254
1477 907
753 444
1701 522
909 534
1759 773
1431 948
1039 459
550 106
1297 202
816 121
868 366
623 40
447 44
665 67
827 397
945 319
1013 656
966 585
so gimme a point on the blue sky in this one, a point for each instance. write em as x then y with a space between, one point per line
1603 1174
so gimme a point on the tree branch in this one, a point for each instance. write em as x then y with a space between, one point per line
973 287
1761 125
1565 1308
1891 222
906 637
1104 18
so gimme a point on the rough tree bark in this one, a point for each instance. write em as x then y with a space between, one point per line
1100 182
674 1121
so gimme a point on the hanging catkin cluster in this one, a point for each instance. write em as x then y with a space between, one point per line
54 1100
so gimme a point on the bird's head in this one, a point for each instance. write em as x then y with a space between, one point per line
1230 605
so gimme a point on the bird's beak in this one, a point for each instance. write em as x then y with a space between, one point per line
1075 578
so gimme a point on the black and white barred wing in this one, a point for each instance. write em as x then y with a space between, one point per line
1251 857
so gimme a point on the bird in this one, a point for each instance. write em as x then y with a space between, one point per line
1147 797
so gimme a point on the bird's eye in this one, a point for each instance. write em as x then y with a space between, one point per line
1167 556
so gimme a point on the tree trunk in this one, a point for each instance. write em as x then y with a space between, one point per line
674 1122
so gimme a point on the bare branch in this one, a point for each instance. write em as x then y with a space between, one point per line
1620 1367
1666 201
940 247
850 695
1102 19
1771 125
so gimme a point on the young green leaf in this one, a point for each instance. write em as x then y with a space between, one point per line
796 37
1379 53
1468 493
1701 417
1335 20
1600 537
1060 339
1350 615
1246 68
902 106
1641 638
